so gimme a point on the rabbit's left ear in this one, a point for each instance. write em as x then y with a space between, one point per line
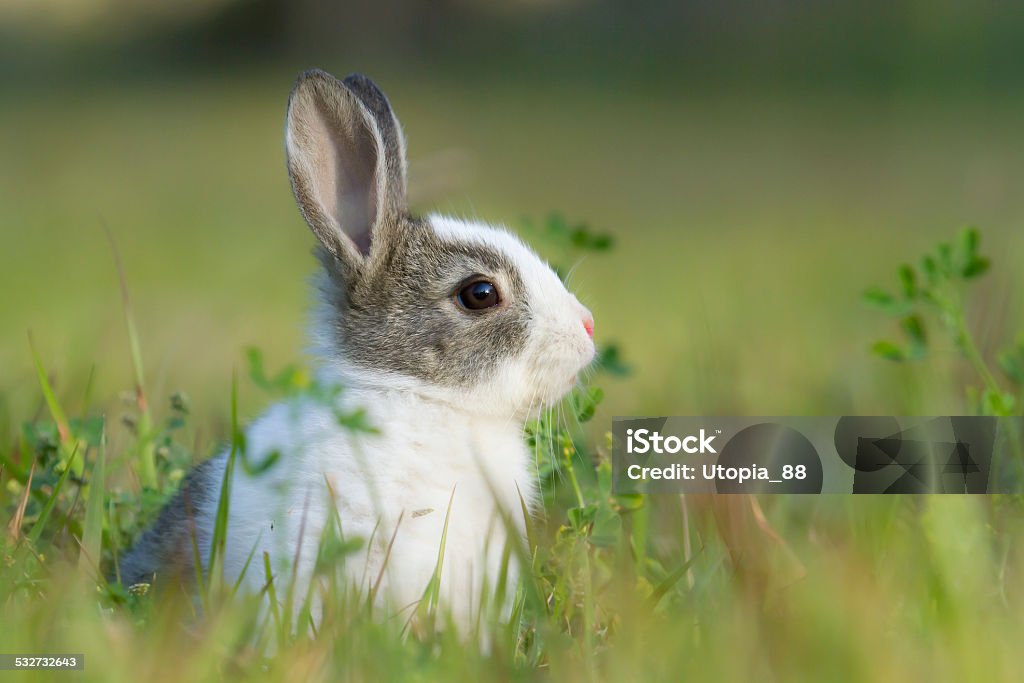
391 138
346 159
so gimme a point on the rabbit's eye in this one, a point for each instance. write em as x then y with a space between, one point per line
479 295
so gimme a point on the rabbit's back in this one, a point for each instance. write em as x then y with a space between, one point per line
166 548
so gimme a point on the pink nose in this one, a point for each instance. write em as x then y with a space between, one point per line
588 325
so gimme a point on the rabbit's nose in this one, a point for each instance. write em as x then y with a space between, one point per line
588 324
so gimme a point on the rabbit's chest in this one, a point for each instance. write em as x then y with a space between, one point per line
458 484
402 489
426 465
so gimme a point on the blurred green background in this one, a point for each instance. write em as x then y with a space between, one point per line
759 165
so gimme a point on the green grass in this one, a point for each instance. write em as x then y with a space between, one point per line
618 586
746 229
621 587
744 225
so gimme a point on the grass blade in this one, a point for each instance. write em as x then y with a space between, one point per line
220 529
672 579
147 451
431 596
372 597
14 526
92 530
63 426
51 400
51 501
245 567
275 607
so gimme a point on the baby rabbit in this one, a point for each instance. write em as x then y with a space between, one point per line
449 334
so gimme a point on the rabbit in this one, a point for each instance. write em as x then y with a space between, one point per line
448 333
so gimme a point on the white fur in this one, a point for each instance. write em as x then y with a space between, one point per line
435 445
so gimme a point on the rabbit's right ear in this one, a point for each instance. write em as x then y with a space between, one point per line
346 160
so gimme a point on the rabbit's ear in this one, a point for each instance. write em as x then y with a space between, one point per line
346 159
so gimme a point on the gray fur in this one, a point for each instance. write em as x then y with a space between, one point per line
165 549
393 292
400 314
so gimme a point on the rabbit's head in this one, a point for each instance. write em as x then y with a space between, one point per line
463 311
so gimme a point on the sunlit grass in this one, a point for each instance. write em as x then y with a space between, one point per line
745 231
742 225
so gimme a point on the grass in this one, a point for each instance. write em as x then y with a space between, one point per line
619 586
745 232
723 204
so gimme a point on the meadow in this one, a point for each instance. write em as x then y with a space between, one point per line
745 228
